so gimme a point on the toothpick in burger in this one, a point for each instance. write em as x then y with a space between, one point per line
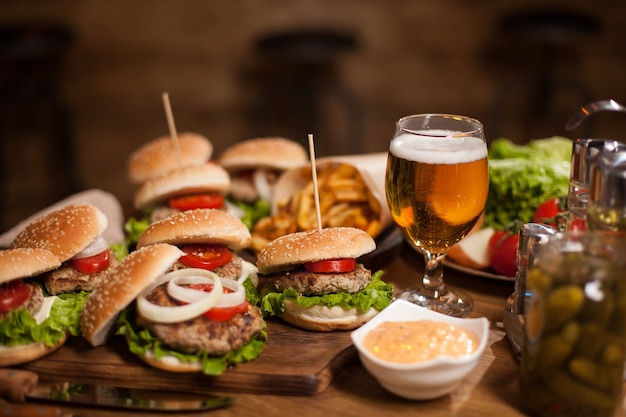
210 240
73 234
33 324
173 319
316 281
254 166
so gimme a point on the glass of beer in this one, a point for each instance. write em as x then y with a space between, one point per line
436 185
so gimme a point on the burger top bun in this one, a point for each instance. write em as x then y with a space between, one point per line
198 226
159 156
314 245
128 279
186 180
25 262
64 232
267 152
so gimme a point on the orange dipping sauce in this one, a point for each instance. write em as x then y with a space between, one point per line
418 341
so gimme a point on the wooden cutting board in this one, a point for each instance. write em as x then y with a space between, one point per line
294 362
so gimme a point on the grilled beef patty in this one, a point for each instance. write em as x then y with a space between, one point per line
67 279
216 337
311 283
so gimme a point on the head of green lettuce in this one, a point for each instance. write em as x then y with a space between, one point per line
521 177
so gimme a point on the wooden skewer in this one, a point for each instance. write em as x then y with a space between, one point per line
314 177
172 126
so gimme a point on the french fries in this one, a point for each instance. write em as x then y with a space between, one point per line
345 200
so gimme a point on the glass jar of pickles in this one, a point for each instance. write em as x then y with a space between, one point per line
574 343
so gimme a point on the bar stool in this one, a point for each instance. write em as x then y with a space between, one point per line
34 117
299 74
544 47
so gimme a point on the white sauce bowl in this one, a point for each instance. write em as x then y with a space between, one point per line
422 380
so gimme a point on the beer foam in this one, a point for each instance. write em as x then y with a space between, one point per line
438 149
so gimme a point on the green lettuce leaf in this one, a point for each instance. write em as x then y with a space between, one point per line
20 328
377 294
140 341
252 212
134 228
521 177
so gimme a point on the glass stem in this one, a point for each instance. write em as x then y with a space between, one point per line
432 282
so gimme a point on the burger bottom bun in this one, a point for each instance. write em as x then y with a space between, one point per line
15 355
170 363
323 319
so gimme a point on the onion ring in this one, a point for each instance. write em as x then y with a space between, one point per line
261 184
190 295
99 245
176 314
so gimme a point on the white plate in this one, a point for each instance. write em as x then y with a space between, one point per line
485 273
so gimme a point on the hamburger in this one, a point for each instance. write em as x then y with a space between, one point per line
254 166
161 155
186 188
179 321
316 282
209 239
73 234
33 324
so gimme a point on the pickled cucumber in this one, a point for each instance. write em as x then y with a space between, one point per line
588 372
562 305
580 395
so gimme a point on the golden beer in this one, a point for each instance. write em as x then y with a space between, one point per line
436 188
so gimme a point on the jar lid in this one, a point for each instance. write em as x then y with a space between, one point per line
607 186
584 153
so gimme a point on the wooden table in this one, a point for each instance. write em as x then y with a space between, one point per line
491 390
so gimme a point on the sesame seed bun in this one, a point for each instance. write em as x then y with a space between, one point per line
25 262
320 318
268 152
22 263
64 232
158 156
314 245
198 226
138 270
208 177
15 355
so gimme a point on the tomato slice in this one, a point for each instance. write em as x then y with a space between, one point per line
221 313
13 294
205 256
92 264
331 265
196 201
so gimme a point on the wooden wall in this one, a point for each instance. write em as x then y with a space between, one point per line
411 56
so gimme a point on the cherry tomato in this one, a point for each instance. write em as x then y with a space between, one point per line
205 256
13 294
503 252
92 264
331 266
551 212
195 201
221 313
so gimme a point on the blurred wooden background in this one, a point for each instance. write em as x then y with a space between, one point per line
385 59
